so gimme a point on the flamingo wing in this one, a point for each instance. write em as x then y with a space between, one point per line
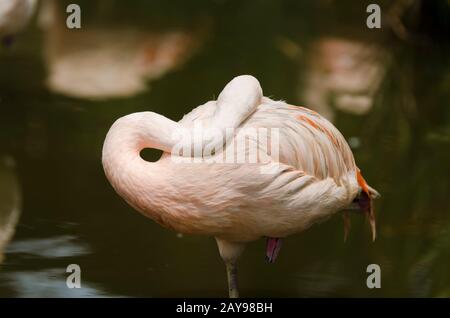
310 143
314 157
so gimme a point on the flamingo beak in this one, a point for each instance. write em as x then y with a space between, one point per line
362 203
372 222
366 205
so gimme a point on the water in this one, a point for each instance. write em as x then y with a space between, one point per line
57 207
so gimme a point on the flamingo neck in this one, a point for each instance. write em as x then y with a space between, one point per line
138 181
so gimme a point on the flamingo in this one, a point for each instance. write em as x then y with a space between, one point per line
14 16
97 63
344 75
313 177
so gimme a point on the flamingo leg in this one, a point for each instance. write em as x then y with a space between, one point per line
273 246
233 291
230 251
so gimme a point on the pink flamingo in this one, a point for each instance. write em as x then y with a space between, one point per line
313 177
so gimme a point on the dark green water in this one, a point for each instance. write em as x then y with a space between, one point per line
50 150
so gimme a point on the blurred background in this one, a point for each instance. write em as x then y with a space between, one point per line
387 90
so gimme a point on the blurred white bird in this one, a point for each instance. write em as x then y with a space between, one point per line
343 75
98 62
14 16
10 202
313 177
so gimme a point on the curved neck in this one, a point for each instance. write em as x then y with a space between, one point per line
141 183
237 101
133 178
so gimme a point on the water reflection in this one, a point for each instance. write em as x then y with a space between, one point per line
62 246
19 275
32 281
101 62
46 283
423 276
25 274
313 284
